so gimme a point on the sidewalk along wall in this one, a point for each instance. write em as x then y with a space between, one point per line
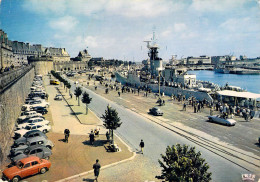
11 100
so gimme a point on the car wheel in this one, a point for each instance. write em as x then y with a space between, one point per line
44 131
210 119
16 179
47 157
49 147
43 170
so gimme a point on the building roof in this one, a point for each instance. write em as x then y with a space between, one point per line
231 93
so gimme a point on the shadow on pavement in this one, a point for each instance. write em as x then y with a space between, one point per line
76 113
70 105
89 180
257 144
62 140
97 143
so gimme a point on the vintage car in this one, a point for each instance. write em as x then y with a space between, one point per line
27 136
58 97
40 140
156 111
222 120
42 128
36 120
37 150
26 167
28 114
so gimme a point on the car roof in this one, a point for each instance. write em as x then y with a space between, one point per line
37 147
29 159
32 131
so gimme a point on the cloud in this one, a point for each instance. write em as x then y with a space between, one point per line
64 24
216 5
126 8
166 33
246 24
179 27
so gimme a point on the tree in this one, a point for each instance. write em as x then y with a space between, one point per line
68 86
86 100
77 93
111 120
183 164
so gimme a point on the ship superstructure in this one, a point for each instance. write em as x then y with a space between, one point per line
155 61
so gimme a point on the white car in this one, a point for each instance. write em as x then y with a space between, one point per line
42 103
36 120
28 114
221 120
29 127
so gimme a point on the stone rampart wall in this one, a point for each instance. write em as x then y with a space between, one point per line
11 100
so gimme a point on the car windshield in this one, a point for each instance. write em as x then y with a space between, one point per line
20 165
27 128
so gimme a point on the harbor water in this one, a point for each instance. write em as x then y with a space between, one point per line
251 83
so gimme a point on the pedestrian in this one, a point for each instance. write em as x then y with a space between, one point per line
47 96
67 134
91 137
142 146
184 107
70 95
96 168
95 87
195 108
119 94
211 111
107 135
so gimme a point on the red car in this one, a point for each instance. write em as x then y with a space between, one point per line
26 167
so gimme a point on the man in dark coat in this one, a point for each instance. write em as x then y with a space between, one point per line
67 134
91 137
142 146
96 168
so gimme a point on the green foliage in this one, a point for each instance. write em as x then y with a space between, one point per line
111 120
181 164
86 100
77 93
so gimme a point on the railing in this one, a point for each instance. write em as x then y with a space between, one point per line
7 79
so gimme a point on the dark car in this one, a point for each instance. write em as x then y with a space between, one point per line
156 111
28 135
40 109
37 150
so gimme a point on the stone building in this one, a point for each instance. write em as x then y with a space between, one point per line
199 60
6 53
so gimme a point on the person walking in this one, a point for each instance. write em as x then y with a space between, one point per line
67 134
96 168
91 137
184 107
142 146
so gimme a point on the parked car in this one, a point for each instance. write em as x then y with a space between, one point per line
41 103
40 140
40 109
36 120
156 111
58 97
26 167
27 136
27 119
36 150
42 128
28 114
221 120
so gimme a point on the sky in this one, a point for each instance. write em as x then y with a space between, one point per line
117 28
